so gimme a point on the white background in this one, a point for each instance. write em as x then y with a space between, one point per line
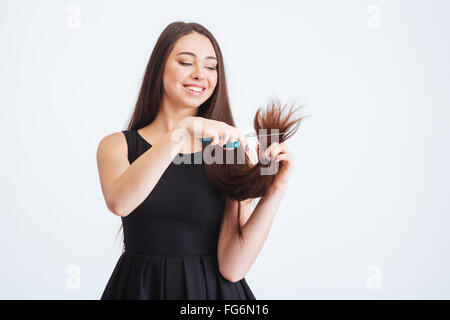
366 212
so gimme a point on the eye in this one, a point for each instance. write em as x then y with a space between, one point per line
189 64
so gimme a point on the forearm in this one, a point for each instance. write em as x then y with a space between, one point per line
241 254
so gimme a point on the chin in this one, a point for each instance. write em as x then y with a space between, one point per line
191 104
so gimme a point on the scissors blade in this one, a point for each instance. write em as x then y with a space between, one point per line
254 134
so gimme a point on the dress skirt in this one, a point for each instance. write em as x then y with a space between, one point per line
148 277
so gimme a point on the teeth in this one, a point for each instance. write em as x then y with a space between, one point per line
195 89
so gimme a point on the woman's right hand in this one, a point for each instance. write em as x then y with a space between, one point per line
220 132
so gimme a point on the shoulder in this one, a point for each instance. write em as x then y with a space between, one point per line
115 142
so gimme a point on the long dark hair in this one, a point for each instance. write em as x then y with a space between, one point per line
235 181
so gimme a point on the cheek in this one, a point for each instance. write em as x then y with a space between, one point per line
212 82
174 75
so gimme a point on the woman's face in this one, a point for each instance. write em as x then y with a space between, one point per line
191 62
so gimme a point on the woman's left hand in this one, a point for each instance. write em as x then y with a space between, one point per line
281 154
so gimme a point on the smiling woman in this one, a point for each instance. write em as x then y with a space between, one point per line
170 247
183 223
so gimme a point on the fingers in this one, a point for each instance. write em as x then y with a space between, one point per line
275 149
242 139
281 156
221 133
231 134
213 134
227 134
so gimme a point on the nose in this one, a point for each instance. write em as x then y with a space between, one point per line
198 73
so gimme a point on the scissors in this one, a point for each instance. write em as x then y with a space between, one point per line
236 143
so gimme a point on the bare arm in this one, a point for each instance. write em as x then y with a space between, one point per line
238 256
125 186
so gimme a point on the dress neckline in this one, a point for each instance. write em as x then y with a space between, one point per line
181 154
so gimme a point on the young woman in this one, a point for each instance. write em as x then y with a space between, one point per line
180 233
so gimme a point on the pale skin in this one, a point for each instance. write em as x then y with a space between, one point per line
125 186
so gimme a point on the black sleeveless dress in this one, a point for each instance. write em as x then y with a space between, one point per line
171 238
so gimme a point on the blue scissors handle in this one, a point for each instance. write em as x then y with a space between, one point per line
234 144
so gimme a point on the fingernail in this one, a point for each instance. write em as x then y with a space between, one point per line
246 147
276 158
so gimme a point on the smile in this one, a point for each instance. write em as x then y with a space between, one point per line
194 90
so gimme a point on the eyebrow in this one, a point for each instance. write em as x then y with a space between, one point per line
193 54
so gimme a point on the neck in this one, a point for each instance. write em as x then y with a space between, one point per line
169 114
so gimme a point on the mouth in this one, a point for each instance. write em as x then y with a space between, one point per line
196 91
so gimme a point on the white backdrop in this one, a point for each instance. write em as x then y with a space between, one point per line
366 212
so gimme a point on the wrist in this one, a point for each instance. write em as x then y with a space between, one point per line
179 132
276 188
